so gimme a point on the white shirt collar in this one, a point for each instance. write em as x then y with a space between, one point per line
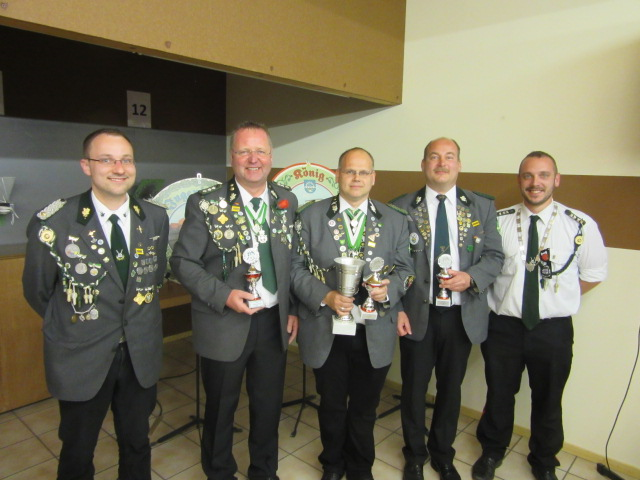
344 205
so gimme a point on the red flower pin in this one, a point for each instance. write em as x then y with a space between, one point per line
283 204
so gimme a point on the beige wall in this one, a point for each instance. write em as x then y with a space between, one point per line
505 78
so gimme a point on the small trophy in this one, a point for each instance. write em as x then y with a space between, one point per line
444 261
349 273
251 256
368 308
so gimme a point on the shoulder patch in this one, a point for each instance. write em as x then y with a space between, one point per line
485 195
153 201
282 185
397 209
210 189
51 209
575 217
301 208
506 211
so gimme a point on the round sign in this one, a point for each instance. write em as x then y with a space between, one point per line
308 181
174 198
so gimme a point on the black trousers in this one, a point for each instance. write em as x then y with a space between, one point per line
80 424
264 362
349 389
546 352
445 348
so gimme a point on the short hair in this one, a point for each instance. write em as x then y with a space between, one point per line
540 154
441 138
114 132
346 152
249 125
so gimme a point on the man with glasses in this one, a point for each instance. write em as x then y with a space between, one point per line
350 369
234 232
457 253
93 268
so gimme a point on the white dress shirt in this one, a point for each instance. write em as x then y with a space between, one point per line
124 219
561 295
269 299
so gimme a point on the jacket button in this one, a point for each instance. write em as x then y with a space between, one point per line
121 301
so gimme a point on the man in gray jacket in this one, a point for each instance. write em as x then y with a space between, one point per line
93 268
230 231
350 369
453 234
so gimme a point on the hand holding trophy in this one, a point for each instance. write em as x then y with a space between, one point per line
251 256
444 261
349 274
374 280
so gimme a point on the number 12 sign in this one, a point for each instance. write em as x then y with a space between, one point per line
138 109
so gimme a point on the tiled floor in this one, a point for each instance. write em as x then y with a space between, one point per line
29 442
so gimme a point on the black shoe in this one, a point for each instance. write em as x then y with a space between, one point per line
485 468
544 473
361 476
331 476
413 471
446 470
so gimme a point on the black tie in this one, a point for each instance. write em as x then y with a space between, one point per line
119 249
266 259
441 244
531 292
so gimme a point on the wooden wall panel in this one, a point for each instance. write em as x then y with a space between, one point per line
353 48
611 201
49 78
21 357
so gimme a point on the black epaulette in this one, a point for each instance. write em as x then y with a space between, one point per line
301 208
397 209
575 217
506 211
485 195
210 189
286 187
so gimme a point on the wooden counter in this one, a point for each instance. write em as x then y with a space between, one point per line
22 378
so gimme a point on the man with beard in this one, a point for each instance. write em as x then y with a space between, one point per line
452 231
530 325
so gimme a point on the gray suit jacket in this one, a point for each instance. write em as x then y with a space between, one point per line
481 257
79 349
386 236
209 264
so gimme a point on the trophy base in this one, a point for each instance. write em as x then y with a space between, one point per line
343 327
255 303
443 302
365 315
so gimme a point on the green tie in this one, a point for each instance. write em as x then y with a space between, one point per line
441 244
266 259
119 249
531 292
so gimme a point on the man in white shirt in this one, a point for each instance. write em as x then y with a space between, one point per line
553 255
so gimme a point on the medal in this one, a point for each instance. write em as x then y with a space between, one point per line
229 234
72 250
81 268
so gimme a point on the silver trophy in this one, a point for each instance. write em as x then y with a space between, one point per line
444 261
349 274
251 256
373 280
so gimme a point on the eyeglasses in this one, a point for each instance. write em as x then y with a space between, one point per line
247 152
360 173
112 161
